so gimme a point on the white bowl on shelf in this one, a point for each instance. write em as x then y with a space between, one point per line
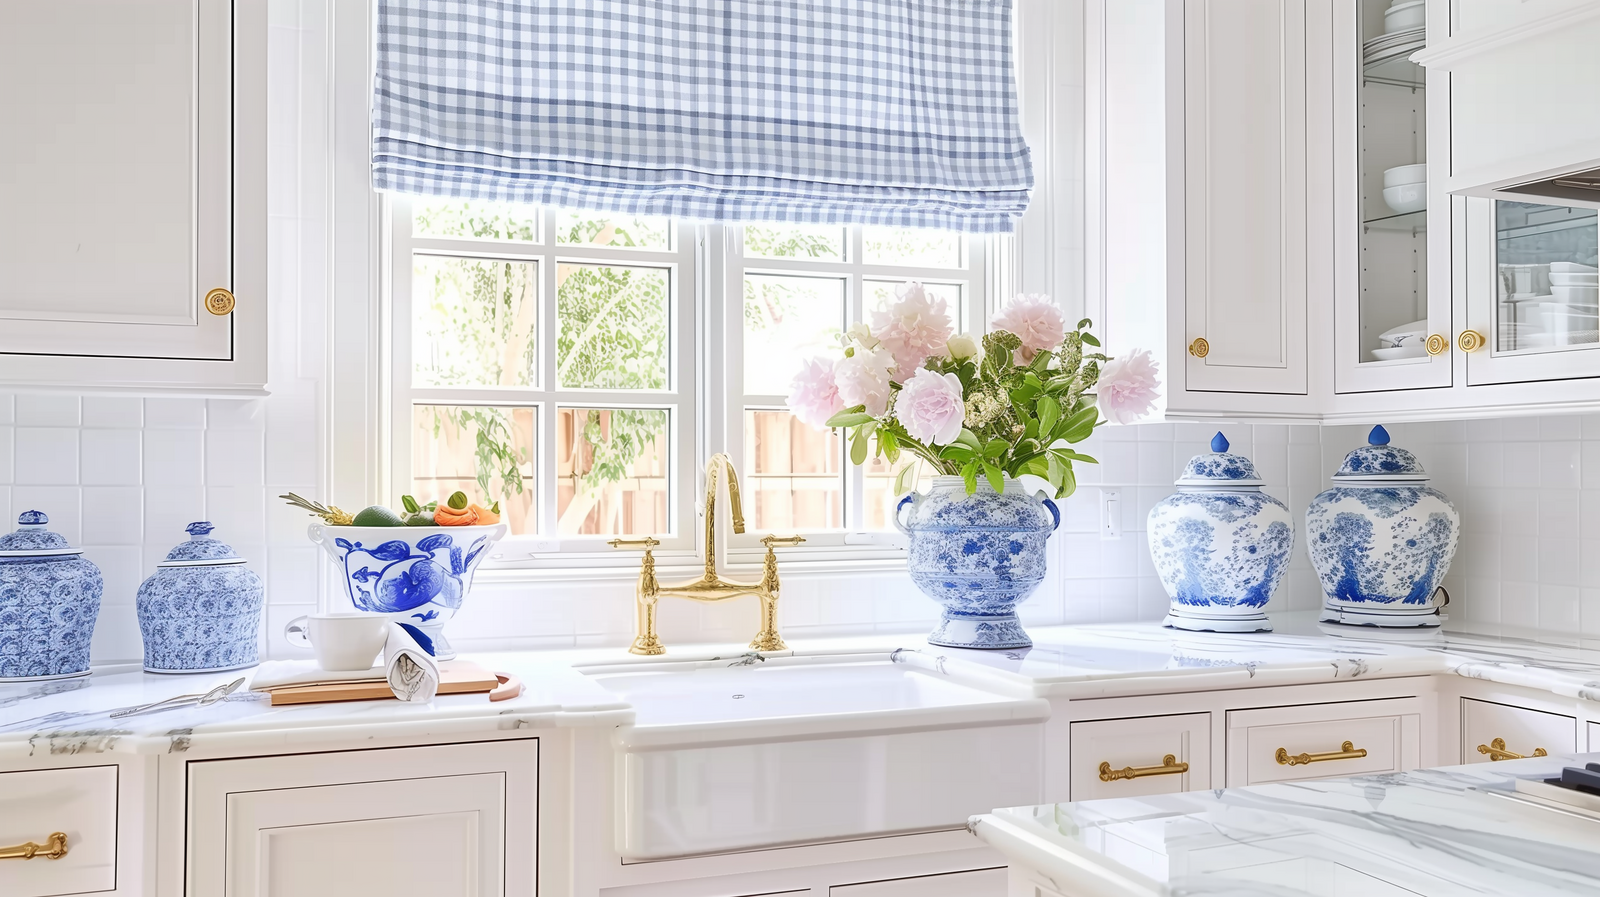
1405 16
1411 350
1558 279
1576 295
1572 268
1406 174
1406 198
1562 325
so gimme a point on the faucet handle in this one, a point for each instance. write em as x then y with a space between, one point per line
647 543
782 541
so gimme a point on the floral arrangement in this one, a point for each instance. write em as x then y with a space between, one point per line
1012 407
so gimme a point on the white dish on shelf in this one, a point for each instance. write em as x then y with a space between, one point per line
1559 279
1406 198
1576 295
1410 350
1405 16
1383 43
1572 268
1415 329
1405 174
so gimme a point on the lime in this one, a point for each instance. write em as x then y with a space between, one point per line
377 515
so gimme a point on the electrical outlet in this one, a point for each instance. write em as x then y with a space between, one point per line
1110 514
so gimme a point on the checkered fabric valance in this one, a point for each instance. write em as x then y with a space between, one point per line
892 112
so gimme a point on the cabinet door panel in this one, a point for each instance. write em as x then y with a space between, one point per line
119 201
1521 729
79 803
1388 731
1245 194
1141 743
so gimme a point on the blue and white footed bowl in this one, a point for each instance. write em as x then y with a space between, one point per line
979 555
200 612
1220 544
49 601
413 574
1381 540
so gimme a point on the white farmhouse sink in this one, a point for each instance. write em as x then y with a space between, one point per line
729 756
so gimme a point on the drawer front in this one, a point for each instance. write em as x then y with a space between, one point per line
1127 757
1491 731
80 803
1594 737
1285 744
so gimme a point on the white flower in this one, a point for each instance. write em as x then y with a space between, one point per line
863 378
860 334
930 406
914 328
1035 320
962 346
1127 388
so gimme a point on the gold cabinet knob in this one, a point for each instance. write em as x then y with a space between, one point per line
219 301
1199 348
1437 344
1471 341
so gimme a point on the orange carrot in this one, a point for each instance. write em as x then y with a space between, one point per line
485 516
448 516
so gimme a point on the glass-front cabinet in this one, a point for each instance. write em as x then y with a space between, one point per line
1391 331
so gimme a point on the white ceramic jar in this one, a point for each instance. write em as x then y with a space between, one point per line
1220 544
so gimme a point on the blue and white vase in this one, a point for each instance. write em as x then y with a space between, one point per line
1220 544
49 600
417 575
201 610
1381 540
979 555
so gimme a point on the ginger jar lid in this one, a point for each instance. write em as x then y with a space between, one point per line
1219 468
201 550
32 540
1378 461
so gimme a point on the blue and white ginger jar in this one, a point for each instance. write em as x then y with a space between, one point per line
1220 544
1381 539
49 601
201 611
979 555
418 575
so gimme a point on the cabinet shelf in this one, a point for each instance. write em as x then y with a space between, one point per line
1414 222
1393 67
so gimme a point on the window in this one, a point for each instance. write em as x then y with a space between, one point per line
550 361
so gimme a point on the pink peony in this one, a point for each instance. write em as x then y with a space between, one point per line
1035 320
914 329
813 394
931 407
863 378
1126 390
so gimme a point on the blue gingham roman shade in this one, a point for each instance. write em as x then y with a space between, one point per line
893 112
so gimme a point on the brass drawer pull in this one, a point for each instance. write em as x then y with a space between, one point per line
54 847
1169 766
1346 751
782 541
1496 750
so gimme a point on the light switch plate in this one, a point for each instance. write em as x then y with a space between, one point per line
1110 514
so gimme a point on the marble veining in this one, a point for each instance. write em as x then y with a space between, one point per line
1457 830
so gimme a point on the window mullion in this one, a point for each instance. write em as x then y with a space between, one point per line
544 466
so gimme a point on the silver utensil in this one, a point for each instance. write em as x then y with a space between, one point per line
200 700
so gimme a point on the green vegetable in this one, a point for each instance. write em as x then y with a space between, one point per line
458 500
377 515
410 504
420 519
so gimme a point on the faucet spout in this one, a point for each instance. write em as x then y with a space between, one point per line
718 467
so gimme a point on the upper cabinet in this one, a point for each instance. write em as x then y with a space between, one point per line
133 239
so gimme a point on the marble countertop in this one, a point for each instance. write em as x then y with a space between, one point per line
1100 660
72 716
1451 831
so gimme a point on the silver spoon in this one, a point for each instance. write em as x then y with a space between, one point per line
210 697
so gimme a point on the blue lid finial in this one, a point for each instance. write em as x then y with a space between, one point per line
1219 442
1378 436
32 518
199 528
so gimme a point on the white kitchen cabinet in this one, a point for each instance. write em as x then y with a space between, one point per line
1491 731
134 186
80 804
1128 757
1594 737
449 821
1313 741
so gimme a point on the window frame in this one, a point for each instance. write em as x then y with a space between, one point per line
704 399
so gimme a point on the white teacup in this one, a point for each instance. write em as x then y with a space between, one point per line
347 641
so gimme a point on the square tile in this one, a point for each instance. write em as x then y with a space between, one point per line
1558 562
1519 604
1485 465
165 518
112 457
236 414
234 458
1559 464
174 457
175 413
1558 609
1560 427
46 456
113 411
113 515
48 410
8 413
7 449
1522 464
238 512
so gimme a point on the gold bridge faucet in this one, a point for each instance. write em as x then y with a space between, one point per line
711 586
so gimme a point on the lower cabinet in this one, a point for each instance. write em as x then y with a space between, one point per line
447 821
1594 737
1314 741
80 805
1141 756
1491 731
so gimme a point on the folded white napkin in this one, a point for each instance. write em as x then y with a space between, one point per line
412 672
285 673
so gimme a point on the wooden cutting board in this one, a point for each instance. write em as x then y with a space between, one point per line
456 677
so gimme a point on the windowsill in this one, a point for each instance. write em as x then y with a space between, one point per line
687 567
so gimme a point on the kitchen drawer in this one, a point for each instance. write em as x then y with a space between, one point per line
1310 740
1519 730
972 883
1142 744
81 803
1594 737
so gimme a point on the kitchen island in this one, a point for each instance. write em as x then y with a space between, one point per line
1435 832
